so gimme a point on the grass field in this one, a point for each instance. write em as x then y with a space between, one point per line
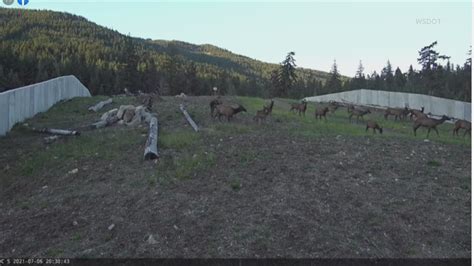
290 187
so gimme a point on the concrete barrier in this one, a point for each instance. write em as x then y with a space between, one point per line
435 105
25 102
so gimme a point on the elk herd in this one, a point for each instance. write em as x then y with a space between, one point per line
220 109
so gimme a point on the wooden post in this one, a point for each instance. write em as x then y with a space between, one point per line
188 117
151 146
100 105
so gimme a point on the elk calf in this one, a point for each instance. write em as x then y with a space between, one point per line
300 107
358 113
464 124
321 112
373 125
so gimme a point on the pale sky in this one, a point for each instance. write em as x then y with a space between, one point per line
317 31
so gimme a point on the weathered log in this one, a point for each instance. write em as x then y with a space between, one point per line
151 146
105 123
51 139
188 117
100 105
54 131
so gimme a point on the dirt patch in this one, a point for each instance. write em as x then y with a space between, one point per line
246 191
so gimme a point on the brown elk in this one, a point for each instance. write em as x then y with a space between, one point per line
213 104
397 112
269 108
358 113
417 113
430 123
300 107
321 112
262 114
228 111
373 125
464 124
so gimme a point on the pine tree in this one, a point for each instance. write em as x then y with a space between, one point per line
334 83
285 77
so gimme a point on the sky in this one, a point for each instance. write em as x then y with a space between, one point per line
319 32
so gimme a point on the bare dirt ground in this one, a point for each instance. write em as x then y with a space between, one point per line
232 190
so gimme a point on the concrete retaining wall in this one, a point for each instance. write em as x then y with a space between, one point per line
434 105
25 102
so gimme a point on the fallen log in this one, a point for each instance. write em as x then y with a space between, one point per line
54 131
151 146
100 105
105 123
188 117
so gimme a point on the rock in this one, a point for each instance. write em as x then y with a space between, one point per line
112 226
151 240
426 140
74 223
73 171
175 227
44 187
6 168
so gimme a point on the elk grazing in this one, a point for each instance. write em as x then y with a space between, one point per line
213 104
429 123
358 113
321 112
228 111
397 112
464 124
373 125
300 107
417 113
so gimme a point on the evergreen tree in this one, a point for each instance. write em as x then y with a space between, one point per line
334 83
285 77
399 80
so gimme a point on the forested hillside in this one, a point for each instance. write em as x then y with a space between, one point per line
38 45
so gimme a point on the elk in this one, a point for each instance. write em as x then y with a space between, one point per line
269 108
213 104
373 125
300 107
321 112
228 111
397 112
464 124
262 114
429 123
417 113
333 106
359 113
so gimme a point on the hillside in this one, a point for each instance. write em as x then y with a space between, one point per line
38 45
292 187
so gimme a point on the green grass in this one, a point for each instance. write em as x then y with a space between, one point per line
434 163
101 145
188 165
177 140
